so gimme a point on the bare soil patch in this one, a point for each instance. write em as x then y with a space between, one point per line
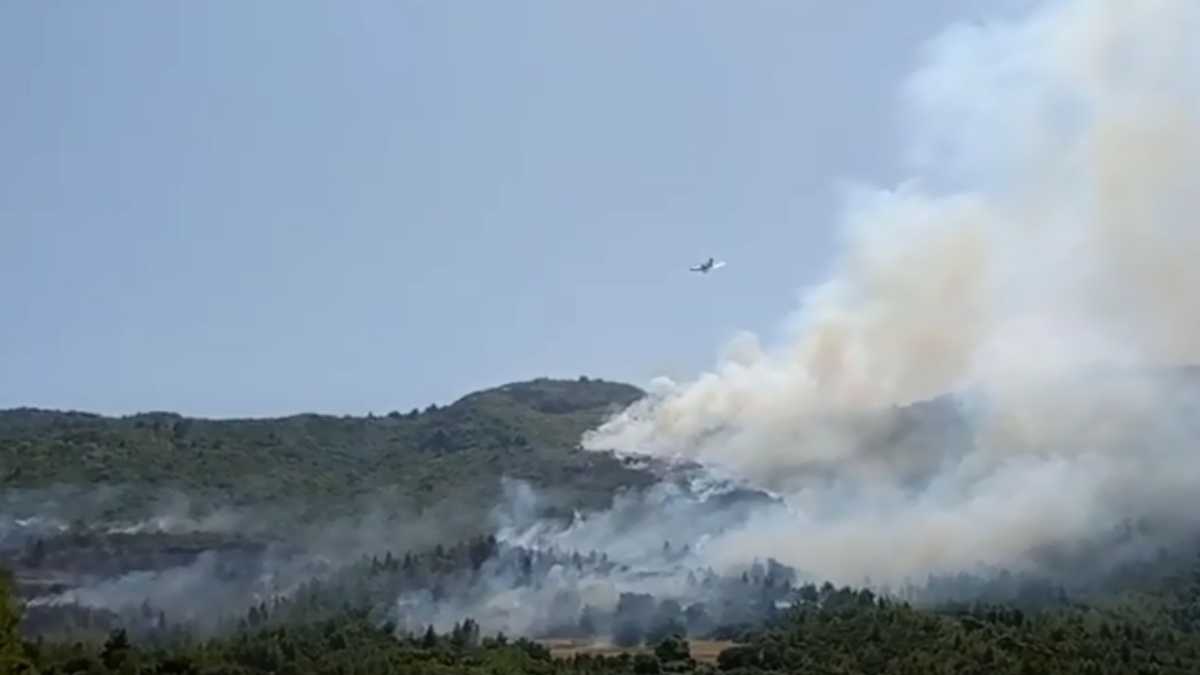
704 651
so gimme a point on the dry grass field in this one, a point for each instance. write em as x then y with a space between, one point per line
704 651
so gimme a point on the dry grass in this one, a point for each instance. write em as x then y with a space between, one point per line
704 651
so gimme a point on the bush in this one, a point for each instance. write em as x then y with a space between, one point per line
644 664
674 648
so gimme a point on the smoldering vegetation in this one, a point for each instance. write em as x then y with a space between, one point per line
689 553
637 572
537 574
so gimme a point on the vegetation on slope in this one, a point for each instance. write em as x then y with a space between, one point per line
833 630
526 430
1145 619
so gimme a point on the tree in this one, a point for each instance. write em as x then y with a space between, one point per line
430 639
465 634
667 621
439 441
674 648
738 657
645 664
116 648
12 652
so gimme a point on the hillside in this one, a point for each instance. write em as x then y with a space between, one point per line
528 430
292 591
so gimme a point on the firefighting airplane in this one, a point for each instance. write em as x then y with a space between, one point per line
707 266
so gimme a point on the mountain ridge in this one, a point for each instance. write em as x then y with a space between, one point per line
527 430
618 393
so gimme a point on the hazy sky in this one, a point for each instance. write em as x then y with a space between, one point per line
252 208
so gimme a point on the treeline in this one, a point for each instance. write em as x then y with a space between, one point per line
101 553
352 622
316 466
446 583
845 631
880 636
443 584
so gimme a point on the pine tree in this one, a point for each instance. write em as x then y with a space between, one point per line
116 648
12 657
430 639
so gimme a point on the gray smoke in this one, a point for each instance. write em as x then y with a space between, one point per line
988 379
640 563
1035 272
200 565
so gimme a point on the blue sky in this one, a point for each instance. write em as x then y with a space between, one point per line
256 208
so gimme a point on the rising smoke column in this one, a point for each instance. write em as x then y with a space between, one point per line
1040 261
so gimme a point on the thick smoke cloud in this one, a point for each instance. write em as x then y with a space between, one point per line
1036 273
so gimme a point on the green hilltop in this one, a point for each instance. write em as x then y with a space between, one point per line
526 430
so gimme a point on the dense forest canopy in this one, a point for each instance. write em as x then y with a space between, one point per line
313 465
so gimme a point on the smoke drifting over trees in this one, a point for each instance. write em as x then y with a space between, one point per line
537 576
993 398
1031 279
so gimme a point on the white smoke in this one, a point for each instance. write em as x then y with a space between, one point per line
1039 262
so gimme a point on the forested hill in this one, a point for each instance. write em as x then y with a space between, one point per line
528 430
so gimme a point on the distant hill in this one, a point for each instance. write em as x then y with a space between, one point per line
526 430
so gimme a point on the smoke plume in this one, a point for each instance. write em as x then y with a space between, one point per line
994 376
1035 273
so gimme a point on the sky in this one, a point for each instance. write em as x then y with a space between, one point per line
251 209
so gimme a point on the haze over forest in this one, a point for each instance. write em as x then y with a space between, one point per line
972 449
